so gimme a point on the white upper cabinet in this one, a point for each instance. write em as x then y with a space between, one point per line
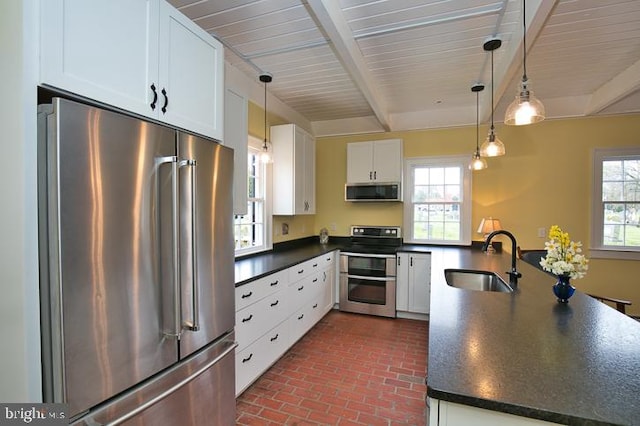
192 73
142 56
236 136
294 170
374 162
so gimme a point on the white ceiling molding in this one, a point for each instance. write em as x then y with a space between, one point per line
347 126
329 18
619 87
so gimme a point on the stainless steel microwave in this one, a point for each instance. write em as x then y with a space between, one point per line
373 192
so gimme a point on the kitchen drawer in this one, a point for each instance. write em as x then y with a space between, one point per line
252 361
256 290
304 269
303 290
256 319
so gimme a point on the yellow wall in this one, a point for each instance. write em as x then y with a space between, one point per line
544 179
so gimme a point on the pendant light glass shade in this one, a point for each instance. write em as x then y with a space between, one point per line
492 146
266 156
525 108
477 162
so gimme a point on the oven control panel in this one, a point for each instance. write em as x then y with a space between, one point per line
376 231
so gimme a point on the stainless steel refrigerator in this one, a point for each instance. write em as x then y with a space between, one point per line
137 270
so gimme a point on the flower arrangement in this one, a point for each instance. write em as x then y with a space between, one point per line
564 257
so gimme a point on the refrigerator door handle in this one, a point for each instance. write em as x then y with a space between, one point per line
175 254
193 325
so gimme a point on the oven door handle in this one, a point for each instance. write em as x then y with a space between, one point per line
383 256
369 278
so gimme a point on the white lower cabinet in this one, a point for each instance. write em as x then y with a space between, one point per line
444 413
413 287
273 312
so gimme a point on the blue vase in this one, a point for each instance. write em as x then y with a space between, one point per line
563 289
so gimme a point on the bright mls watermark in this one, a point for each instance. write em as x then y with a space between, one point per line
33 414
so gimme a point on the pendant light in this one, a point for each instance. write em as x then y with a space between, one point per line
525 108
267 151
477 162
492 146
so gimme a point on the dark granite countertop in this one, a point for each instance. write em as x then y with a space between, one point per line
521 353
254 267
526 354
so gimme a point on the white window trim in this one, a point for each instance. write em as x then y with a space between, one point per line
597 250
465 213
256 144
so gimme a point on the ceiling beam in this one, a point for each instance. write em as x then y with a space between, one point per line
619 87
330 20
538 11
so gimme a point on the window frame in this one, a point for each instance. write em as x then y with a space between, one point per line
465 205
255 147
597 249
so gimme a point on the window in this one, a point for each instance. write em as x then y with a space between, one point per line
616 203
437 198
252 231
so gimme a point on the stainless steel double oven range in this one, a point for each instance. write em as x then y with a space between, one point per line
368 271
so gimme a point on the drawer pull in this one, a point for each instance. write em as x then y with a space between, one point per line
247 318
315 280
247 358
274 283
244 296
300 288
315 265
301 271
315 306
275 303
274 338
301 316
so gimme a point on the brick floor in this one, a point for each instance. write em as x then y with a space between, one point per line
349 369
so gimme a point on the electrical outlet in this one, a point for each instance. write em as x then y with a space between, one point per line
542 232
285 228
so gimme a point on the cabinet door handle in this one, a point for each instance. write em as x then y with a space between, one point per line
300 288
315 306
315 265
411 261
375 175
315 280
166 101
247 318
244 296
274 283
275 303
155 97
398 260
274 338
300 271
370 175
247 358
301 316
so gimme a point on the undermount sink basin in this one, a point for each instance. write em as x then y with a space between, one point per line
476 280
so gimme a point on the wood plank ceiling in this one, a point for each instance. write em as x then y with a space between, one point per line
353 66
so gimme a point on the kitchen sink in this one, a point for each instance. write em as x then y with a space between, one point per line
476 280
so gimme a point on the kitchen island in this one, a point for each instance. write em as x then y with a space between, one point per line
525 354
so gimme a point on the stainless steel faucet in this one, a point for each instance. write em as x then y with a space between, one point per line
513 274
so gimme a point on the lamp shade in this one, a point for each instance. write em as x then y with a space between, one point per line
525 108
488 225
492 146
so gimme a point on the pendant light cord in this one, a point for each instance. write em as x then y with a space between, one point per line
524 40
492 107
265 116
477 121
